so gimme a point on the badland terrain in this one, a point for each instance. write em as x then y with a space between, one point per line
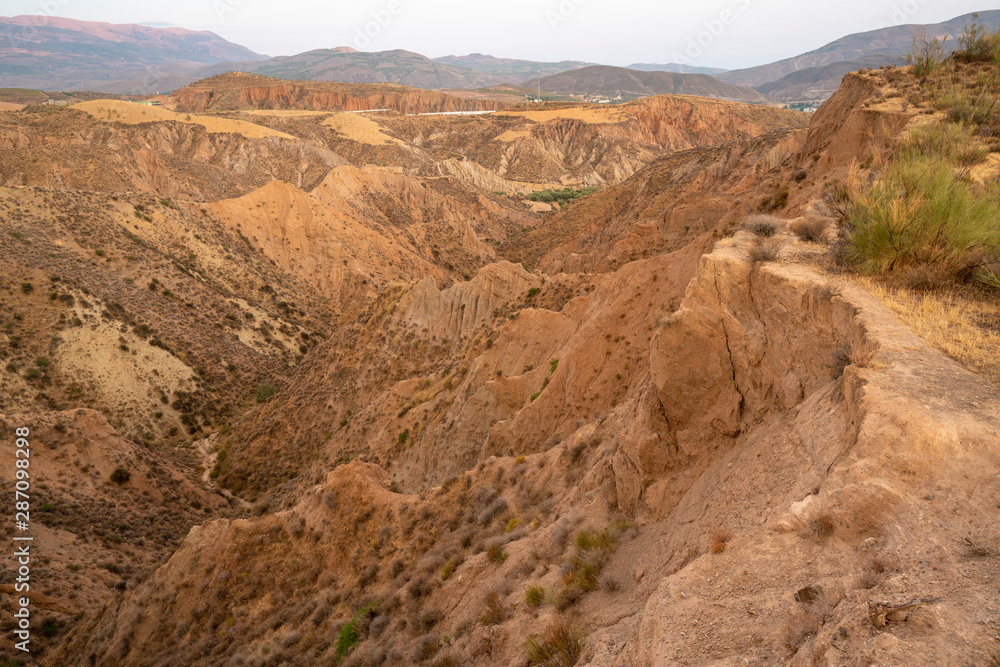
334 373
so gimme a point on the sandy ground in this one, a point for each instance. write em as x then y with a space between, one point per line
132 113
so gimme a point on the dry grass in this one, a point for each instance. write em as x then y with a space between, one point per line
811 229
979 541
719 539
587 115
115 111
559 646
357 127
765 249
764 226
799 627
963 325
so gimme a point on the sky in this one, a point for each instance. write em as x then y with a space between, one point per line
717 33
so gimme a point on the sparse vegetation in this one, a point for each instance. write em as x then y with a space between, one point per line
562 197
764 226
495 553
559 646
920 211
765 249
534 596
120 475
720 537
263 393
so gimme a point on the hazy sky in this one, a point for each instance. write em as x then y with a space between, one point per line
732 33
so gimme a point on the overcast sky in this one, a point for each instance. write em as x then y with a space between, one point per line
732 33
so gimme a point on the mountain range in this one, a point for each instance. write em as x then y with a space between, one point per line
62 54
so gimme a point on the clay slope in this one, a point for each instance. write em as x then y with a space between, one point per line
360 231
65 148
587 145
153 312
95 533
767 406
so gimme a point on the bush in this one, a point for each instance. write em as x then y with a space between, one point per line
263 393
563 196
764 226
765 250
534 596
978 44
350 636
810 229
120 475
720 537
593 548
926 55
496 554
494 610
559 646
919 211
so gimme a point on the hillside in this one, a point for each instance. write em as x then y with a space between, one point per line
675 67
400 67
894 42
511 70
818 83
64 54
614 81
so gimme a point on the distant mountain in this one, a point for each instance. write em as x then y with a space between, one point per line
56 53
675 67
819 83
892 41
510 69
349 66
612 81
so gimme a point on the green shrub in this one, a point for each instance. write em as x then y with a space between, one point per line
977 43
263 393
495 553
593 548
920 212
349 636
120 475
563 196
534 596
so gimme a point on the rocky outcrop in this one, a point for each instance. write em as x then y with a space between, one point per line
226 94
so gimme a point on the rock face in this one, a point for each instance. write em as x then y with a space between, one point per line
238 91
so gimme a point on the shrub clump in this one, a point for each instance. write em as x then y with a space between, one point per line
764 226
920 211
765 250
559 646
263 393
